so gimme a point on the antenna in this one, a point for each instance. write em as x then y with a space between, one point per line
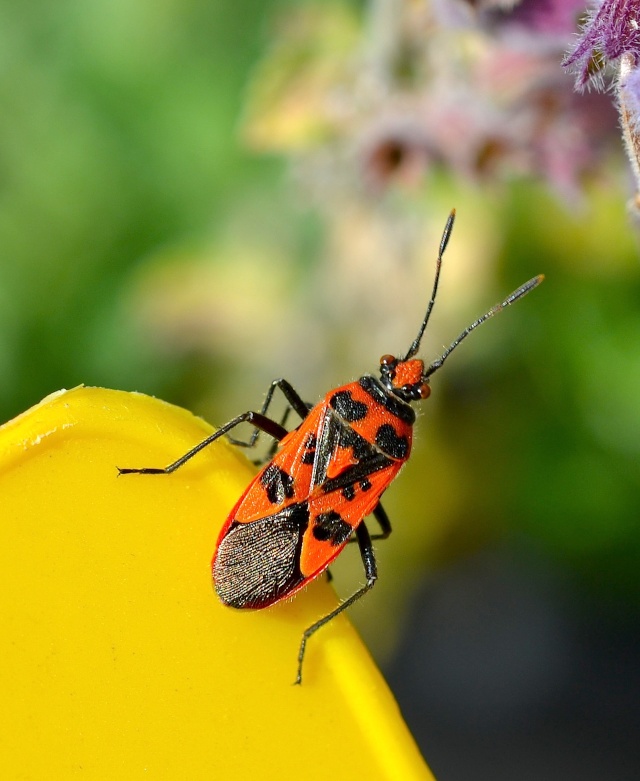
446 235
510 299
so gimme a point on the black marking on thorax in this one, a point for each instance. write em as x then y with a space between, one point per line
391 403
347 407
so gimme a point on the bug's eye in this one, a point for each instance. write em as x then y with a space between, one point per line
388 365
424 390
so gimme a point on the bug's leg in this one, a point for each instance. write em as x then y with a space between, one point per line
272 448
294 402
371 574
383 520
292 396
381 516
256 419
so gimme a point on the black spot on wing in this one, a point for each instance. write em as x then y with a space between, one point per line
349 492
347 407
258 563
277 483
350 438
358 473
330 527
390 443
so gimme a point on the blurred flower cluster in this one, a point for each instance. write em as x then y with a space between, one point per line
386 115
382 112
474 88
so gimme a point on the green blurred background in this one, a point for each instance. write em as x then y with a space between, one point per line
161 231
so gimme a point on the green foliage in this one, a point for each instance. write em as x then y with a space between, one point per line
116 138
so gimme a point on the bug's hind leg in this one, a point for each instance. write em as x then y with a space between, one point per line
379 513
261 422
381 516
371 574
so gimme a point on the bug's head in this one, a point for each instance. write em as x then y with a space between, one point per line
407 377
404 378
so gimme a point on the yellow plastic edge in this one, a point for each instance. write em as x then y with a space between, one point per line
118 661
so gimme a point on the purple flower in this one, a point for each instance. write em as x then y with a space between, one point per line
611 31
555 17
541 17
629 108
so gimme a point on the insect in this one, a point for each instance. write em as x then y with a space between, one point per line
324 477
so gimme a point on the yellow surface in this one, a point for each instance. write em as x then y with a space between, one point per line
117 659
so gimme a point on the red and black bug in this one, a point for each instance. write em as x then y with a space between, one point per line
324 477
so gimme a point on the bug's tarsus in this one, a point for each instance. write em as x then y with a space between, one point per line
446 235
510 299
371 574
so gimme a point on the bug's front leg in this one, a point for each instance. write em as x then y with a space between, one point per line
260 421
294 402
371 574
